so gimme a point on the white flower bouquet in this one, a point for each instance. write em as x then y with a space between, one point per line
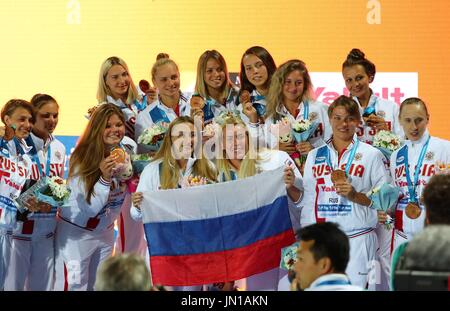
53 192
387 142
154 135
289 256
303 129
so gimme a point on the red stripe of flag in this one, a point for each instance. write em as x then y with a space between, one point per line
224 266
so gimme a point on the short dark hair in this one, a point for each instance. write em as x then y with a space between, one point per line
436 196
350 105
329 241
11 106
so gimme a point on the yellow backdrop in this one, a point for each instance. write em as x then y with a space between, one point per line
57 46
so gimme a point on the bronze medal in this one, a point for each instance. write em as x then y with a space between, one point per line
338 176
412 210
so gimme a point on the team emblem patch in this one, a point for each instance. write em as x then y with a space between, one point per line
381 113
358 156
429 156
312 116
58 155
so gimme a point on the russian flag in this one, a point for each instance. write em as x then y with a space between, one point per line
217 233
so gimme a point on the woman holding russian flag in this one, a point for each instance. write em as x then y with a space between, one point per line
175 166
240 160
337 176
412 167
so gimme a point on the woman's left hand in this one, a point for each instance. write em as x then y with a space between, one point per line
136 199
289 176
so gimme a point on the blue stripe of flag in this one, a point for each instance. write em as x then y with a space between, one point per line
206 235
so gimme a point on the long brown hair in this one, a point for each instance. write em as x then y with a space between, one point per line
170 170
267 60
90 150
275 97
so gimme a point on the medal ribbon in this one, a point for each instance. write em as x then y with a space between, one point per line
350 158
254 98
36 158
371 106
411 186
142 104
305 110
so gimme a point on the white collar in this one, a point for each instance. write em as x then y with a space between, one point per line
181 100
333 277
117 102
372 100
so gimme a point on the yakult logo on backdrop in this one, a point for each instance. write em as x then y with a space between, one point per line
394 86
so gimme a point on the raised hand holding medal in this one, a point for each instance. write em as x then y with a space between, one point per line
340 178
413 210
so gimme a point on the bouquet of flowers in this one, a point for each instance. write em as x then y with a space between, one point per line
54 191
383 199
289 256
139 162
387 142
303 129
192 181
154 135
